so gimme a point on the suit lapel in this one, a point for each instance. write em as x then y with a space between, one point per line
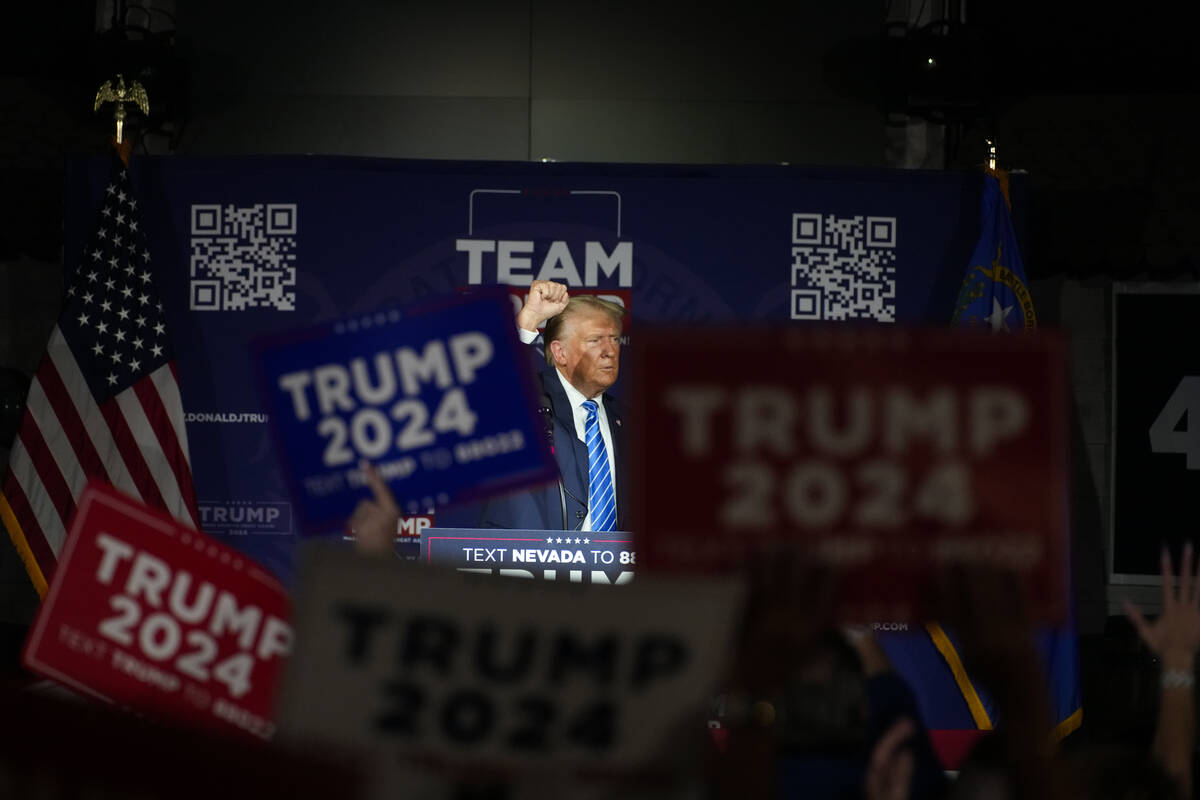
565 417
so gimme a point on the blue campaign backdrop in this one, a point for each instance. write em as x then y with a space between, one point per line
251 247
254 246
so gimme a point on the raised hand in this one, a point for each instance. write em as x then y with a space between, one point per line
374 522
890 770
545 299
1175 635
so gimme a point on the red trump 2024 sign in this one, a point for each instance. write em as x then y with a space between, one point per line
882 454
149 614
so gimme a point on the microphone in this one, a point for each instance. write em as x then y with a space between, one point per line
547 419
547 412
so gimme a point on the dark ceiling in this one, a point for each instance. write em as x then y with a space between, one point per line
969 75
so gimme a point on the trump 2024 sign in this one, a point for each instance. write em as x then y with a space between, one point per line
440 400
148 614
466 675
883 454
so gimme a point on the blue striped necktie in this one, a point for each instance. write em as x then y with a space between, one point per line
602 501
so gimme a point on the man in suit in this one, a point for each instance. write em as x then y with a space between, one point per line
582 357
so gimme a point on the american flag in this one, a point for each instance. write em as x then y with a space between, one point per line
105 402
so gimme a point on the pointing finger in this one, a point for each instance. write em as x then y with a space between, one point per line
383 495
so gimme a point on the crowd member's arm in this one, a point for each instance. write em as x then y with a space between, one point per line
892 707
1174 637
890 769
989 611
374 522
787 609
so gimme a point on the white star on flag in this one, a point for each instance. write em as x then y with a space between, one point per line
997 318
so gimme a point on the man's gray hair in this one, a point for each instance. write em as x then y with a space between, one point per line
576 305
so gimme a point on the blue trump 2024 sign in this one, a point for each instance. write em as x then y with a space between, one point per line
441 401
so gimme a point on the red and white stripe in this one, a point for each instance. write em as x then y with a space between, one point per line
136 441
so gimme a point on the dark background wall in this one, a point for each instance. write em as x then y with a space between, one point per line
1099 108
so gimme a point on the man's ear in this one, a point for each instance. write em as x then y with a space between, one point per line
556 350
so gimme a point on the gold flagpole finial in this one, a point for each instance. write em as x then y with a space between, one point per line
135 94
1000 176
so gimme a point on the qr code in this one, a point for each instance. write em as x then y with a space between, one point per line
843 267
243 257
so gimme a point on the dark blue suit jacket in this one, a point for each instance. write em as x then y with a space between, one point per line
541 508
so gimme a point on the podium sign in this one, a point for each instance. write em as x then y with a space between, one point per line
573 556
885 454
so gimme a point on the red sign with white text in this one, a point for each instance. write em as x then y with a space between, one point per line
883 454
148 614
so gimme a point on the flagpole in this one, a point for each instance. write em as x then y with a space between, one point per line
104 403
124 149
1000 175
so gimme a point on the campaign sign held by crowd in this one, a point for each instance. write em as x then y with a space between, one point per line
574 556
427 666
149 614
440 399
880 453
